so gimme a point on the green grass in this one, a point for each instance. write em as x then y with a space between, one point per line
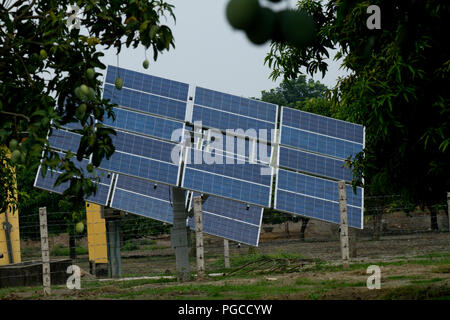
437 261
153 247
242 259
414 292
143 242
59 250
328 284
130 245
404 277
426 281
434 255
259 290
441 269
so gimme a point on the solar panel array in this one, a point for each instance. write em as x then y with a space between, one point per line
316 149
153 115
149 110
225 111
231 178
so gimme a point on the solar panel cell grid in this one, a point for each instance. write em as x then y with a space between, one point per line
145 124
48 182
221 120
246 171
234 104
144 187
226 187
146 102
143 146
229 229
320 144
316 187
141 167
64 140
316 208
232 209
142 205
315 164
323 125
149 84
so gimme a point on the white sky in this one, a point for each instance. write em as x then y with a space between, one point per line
209 53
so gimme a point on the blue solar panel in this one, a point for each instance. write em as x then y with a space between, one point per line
151 84
47 183
315 164
323 125
141 197
232 209
146 168
145 124
72 126
223 120
319 143
246 171
316 198
64 140
147 103
230 219
232 145
229 229
237 105
210 183
144 146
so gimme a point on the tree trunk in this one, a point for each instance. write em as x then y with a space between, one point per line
433 218
72 244
303 228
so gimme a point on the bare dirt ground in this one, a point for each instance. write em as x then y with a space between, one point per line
415 266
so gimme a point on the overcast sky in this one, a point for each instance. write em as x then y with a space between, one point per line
209 53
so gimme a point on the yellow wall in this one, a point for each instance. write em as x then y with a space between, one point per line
13 219
96 229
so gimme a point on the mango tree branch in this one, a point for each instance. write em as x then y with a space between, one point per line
16 115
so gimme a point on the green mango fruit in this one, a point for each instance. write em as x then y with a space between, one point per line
16 156
263 29
241 14
79 227
90 73
119 83
43 54
84 89
13 144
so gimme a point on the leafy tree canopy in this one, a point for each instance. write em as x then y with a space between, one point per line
293 92
43 60
398 88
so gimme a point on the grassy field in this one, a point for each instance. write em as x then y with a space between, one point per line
416 277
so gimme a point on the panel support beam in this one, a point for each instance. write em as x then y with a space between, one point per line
448 210
226 253
344 224
45 251
113 242
199 237
179 235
